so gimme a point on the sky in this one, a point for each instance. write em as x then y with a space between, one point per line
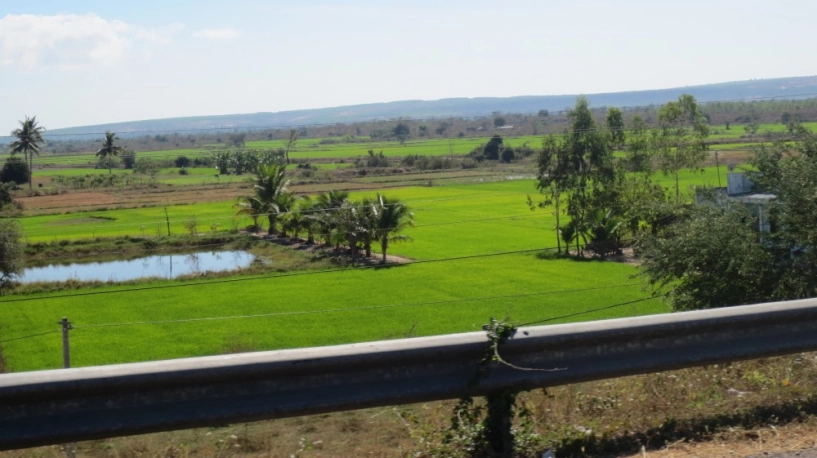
74 63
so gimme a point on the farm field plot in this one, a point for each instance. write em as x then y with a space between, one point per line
439 295
478 252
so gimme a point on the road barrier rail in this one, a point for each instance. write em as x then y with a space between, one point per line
58 406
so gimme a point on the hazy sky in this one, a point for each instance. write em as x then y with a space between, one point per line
89 62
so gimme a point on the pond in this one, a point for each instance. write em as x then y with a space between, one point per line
161 266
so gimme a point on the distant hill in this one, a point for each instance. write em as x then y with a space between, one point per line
783 88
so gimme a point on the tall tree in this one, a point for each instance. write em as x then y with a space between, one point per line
401 131
577 168
109 149
680 140
29 138
293 137
614 122
639 156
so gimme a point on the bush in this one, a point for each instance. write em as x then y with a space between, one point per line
5 194
508 155
183 172
203 162
129 160
146 166
14 170
11 250
182 161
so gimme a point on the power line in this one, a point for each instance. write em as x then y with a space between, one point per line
606 307
354 309
264 277
173 248
317 210
29 336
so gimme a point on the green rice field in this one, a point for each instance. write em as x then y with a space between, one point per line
477 253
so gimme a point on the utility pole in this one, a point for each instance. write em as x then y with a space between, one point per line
66 351
167 218
68 449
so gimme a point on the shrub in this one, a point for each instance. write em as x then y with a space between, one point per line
181 162
128 160
5 194
146 166
14 170
11 250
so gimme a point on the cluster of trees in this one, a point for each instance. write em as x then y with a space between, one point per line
497 150
715 255
604 197
700 256
243 161
331 217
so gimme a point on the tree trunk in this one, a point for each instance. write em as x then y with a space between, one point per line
28 157
352 238
367 242
385 247
271 230
558 229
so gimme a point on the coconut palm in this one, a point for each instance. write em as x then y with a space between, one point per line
29 138
301 218
270 186
285 203
353 223
329 205
109 149
250 207
390 217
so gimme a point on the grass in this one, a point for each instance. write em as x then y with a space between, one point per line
416 297
438 295
436 211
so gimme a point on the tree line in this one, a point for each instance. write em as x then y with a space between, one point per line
331 217
711 254
604 197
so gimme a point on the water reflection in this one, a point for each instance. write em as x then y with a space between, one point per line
163 266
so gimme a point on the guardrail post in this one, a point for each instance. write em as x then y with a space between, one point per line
498 422
70 448
66 351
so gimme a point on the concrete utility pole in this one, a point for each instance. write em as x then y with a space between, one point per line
66 351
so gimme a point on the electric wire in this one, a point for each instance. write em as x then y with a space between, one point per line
606 307
28 336
265 277
354 309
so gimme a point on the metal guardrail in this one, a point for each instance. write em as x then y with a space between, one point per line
56 406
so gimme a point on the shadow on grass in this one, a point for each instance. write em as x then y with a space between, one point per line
550 255
695 429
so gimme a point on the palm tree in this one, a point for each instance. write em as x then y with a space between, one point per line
251 207
29 137
391 217
270 185
109 148
285 203
329 205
